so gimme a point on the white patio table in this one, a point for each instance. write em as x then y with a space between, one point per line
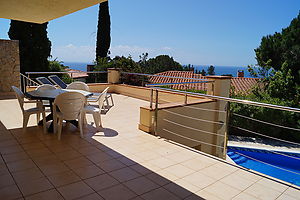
51 95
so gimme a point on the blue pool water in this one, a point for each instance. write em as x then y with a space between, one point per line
281 165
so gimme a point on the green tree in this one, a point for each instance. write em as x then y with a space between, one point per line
161 63
280 48
103 32
211 70
203 72
34 45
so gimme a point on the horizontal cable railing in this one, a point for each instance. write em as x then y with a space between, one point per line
68 72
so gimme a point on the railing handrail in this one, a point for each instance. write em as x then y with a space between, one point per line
29 79
153 75
246 102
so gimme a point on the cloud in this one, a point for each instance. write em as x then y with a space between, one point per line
74 53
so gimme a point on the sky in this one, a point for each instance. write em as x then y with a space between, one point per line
198 32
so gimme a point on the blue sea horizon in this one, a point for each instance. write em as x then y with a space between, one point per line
219 70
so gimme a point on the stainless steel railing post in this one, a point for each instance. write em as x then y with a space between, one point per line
156 112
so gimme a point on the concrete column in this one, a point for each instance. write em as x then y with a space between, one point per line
114 75
9 66
220 87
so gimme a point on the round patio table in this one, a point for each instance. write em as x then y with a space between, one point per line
51 95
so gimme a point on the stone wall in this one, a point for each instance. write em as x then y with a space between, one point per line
9 66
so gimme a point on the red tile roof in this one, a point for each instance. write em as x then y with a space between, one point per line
77 74
240 84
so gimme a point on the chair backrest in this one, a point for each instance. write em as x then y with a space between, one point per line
45 87
70 104
55 79
78 85
102 97
20 96
43 80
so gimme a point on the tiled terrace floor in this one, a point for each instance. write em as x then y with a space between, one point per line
120 162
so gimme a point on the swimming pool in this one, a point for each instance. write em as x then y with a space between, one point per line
282 165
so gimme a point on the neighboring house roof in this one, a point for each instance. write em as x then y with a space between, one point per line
240 84
76 73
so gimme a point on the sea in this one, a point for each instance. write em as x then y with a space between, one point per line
219 70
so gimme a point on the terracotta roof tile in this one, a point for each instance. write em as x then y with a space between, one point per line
240 84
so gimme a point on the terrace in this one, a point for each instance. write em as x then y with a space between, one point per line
122 161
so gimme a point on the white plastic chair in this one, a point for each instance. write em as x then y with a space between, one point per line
27 112
96 112
44 87
68 106
78 85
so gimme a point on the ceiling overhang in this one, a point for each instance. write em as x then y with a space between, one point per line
41 11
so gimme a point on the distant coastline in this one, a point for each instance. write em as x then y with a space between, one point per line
219 70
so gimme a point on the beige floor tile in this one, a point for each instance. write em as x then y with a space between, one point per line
78 162
187 185
88 171
215 172
141 185
124 174
34 186
206 195
162 162
21 165
7 143
10 192
141 169
126 161
159 193
93 196
244 173
237 181
198 164
63 178
178 190
262 192
68 155
243 196
117 192
29 174
272 184
293 192
47 195
222 191
286 197
41 152
101 182
158 179
89 150
199 180
6 180
54 168
99 157
111 165
11 149
15 157
30 146
179 170
75 190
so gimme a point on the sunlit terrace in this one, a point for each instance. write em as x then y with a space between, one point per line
120 161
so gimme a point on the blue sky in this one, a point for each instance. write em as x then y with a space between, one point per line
199 32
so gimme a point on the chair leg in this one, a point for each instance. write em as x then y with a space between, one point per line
44 122
38 117
96 120
80 125
60 121
25 122
112 101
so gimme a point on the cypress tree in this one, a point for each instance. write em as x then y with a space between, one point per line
103 32
34 45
